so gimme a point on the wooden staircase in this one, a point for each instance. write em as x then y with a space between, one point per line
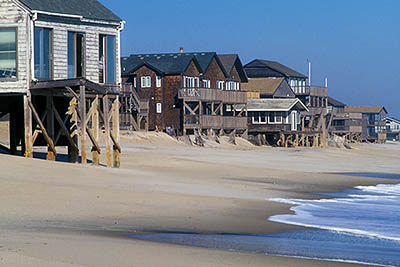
134 111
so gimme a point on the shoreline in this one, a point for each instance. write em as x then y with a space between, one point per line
80 212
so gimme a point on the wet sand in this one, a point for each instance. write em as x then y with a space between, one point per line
61 214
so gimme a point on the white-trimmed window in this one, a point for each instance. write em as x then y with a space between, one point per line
259 117
278 117
158 107
8 53
206 84
145 81
220 85
158 81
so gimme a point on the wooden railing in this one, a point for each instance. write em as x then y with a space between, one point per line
310 90
215 122
206 94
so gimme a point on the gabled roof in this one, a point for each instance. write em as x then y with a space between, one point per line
364 109
229 61
161 63
335 102
171 63
269 87
391 119
266 86
275 104
266 68
89 9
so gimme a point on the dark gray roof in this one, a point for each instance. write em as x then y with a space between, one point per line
264 68
231 60
90 9
335 103
162 63
170 63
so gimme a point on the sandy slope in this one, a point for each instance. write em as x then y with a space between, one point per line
60 214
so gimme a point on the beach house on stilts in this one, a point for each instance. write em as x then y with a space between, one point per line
184 93
60 77
270 79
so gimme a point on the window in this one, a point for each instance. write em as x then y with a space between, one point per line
271 117
42 53
107 53
278 117
75 55
145 81
8 53
158 81
220 85
190 82
259 117
206 84
158 107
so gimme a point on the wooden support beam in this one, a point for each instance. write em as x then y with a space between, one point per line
50 126
64 129
106 119
42 128
73 153
13 132
82 127
96 130
115 133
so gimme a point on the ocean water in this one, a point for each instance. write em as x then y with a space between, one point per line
357 225
361 224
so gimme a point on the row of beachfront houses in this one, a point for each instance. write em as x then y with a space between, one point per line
63 82
265 101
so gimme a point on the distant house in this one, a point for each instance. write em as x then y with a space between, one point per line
259 68
373 125
392 128
341 123
270 118
186 91
314 97
56 56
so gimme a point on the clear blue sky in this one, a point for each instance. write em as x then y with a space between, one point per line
355 43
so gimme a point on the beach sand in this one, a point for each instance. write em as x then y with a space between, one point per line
61 214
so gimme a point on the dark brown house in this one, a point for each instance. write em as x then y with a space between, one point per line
183 92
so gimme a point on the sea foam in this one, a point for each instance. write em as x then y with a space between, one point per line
371 211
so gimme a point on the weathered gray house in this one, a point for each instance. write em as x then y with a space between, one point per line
341 123
270 79
57 56
373 124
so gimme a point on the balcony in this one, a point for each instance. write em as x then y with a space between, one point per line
310 90
217 95
215 122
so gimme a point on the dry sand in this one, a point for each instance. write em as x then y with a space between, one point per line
60 214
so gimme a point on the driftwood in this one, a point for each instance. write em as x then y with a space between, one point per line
232 139
198 139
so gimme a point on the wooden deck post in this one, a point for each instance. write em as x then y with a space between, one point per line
96 131
13 131
28 127
82 130
115 124
50 126
107 129
73 152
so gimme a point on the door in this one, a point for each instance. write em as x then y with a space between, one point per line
294 120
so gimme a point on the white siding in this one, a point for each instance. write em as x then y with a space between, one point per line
13 16
60 35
